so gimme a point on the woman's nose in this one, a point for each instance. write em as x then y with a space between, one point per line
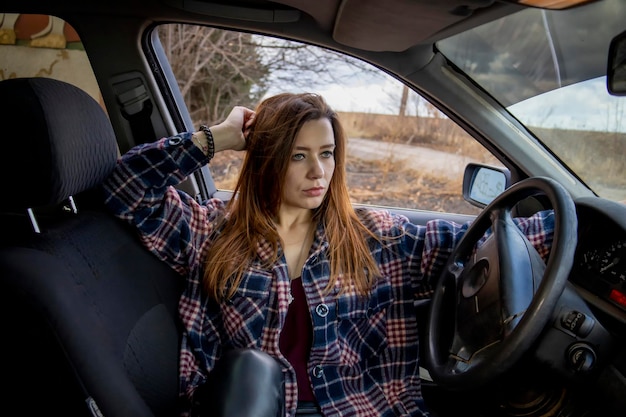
316 170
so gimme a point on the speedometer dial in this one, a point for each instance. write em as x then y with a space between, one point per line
603 271
612 263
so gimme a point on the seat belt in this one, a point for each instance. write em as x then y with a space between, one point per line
136 107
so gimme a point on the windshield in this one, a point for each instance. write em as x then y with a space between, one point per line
548 69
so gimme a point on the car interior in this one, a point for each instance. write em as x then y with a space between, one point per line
90 316
97 313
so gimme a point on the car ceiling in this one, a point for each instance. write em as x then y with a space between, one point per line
366 25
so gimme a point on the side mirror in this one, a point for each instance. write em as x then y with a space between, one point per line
483 183
616 68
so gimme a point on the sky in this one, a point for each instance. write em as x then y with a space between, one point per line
376 93
586 106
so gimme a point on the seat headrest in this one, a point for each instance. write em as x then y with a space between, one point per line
58 142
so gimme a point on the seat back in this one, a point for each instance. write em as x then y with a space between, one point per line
89 316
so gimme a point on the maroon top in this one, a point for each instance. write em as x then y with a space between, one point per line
296 337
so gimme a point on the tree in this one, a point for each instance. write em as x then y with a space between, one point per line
297 66
215 69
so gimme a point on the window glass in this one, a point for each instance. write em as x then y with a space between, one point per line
402 151
44 46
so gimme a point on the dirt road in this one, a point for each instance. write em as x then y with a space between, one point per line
420 158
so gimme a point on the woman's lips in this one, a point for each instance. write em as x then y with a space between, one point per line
314 192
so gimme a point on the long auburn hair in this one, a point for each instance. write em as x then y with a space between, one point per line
250 214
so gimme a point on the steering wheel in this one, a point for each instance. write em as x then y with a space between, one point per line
496 295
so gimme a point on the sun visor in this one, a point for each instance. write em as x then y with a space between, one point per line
396 25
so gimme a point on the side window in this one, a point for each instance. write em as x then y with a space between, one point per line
402 151
44 46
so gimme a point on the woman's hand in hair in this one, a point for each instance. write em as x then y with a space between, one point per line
231 133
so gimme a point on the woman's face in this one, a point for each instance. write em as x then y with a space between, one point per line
311 166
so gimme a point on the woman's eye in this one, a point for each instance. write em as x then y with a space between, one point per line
298 157
327 154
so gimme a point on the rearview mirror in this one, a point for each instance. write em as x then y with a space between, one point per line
483 183
616 69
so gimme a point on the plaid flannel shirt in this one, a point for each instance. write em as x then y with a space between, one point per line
364 356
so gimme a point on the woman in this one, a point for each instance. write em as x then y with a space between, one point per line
287 267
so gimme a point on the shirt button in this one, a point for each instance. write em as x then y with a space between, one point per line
321 310
175 141
318 372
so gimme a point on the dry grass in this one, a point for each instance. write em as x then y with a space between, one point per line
225 169
593 154
391 183
433 132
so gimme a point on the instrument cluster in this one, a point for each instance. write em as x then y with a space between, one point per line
602 271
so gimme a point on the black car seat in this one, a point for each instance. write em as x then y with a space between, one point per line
89 317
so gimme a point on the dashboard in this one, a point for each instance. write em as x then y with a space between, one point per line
599 270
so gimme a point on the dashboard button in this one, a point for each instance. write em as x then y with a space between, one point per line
577 323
